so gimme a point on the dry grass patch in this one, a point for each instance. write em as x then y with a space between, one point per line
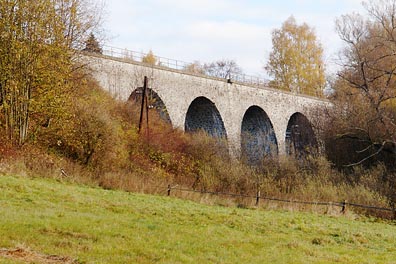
29 256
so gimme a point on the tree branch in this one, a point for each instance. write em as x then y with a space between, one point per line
368 157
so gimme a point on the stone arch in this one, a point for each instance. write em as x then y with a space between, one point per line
300 137
258 139
154 102
202 114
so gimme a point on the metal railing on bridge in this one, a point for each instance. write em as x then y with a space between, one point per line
179 65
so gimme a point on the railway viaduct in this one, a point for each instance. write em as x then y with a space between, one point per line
254 120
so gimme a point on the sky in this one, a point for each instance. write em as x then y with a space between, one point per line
209 30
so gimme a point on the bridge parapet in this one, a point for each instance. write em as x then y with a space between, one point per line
179 65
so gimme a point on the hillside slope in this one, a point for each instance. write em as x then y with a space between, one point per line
92 225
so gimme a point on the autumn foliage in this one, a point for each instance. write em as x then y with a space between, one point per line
296 60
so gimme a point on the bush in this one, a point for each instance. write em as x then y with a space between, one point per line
96 141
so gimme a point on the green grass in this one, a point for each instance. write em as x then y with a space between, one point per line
94 225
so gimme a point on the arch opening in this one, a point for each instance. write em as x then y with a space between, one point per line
154 102
300 137
258 139
203 114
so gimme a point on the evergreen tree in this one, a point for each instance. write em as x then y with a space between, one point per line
92 45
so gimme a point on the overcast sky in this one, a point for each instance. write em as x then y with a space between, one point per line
207 30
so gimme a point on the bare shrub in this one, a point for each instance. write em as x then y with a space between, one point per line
100 145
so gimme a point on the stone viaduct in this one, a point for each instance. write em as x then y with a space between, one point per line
254 121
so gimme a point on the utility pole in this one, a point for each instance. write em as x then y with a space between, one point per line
144 103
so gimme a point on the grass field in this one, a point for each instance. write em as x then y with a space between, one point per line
92 225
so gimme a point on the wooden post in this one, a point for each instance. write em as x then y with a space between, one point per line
142 106
258 198
329 207
169 189
344 204
147 116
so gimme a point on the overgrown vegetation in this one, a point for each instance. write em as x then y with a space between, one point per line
359 130
37 49
98 143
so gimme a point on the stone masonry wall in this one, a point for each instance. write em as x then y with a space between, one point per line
178 90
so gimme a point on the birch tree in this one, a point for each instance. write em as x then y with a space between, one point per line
37 45
296 60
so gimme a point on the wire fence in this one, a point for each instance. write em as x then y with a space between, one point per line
258 197
179 65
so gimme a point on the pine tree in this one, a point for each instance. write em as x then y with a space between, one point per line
92 45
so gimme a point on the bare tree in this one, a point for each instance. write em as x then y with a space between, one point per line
365 100
222 68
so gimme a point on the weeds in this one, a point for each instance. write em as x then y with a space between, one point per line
101 146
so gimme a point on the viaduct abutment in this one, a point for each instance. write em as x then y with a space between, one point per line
230 110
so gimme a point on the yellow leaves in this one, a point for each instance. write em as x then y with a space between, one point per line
390 103
296 59
36 63
150 58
